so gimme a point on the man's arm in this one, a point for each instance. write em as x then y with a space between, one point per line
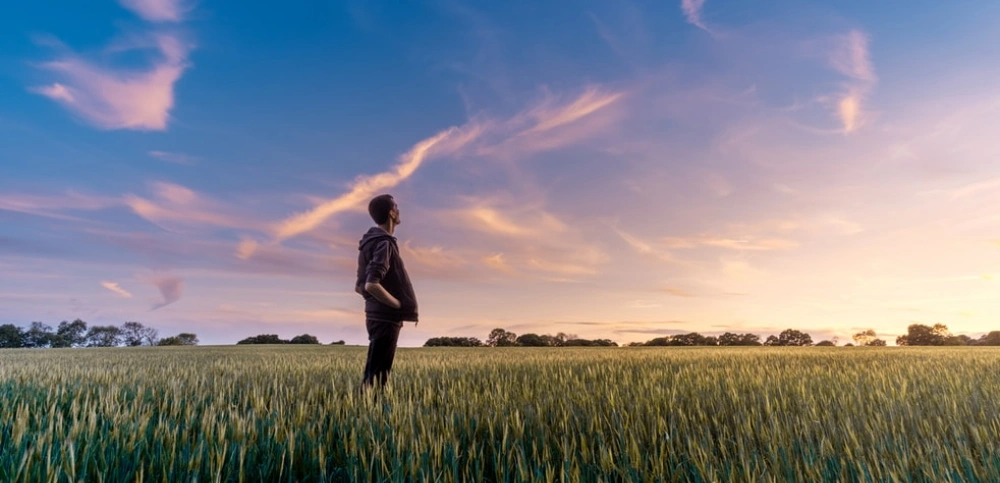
377 268
383 295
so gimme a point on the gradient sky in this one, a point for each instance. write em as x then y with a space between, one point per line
619 170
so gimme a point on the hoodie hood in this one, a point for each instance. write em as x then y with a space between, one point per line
374 234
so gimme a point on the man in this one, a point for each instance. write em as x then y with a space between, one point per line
383 282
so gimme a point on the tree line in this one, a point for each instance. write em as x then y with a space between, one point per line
503 338
916 335
77 334
274 339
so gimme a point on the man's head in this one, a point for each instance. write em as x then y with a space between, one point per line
382 209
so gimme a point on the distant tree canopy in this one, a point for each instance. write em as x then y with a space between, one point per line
789 337
304 339
77 334
274 339
180 339
502 338
923 335
868 338
453 342
730 338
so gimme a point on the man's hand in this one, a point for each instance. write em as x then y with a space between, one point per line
382 295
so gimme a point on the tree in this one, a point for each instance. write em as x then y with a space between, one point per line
70 334
868 338
501 338
453 342
825 343
103 336
731 339
188 338
11 336
263 339
135 334
590 343
992 338
38 336
691 339
183 338
864 337
531 340
338 342
789 337
924 335
304 339
562 337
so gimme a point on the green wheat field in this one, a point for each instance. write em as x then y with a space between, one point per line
291 413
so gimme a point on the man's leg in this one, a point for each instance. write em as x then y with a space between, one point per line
383 337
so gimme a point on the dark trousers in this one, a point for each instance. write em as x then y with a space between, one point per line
382 338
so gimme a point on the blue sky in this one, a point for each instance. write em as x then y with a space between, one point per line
619 170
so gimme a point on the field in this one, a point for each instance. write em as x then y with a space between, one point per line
291 413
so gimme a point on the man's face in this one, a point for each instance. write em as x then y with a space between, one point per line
394 214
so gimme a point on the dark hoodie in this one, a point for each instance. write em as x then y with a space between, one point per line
379 262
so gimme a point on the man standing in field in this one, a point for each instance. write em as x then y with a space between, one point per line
383 282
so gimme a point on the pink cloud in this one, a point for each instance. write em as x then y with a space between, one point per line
113 286
157 10
692 11
850 56
119 98
170 288
444 143
50 206
178 204
176 158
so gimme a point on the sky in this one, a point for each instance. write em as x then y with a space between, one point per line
615 169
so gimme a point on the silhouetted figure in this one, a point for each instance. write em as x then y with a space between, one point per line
383 282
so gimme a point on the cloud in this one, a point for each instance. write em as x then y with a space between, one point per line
434 261
850 56
973 188
121 98
170 288
177 204
523 133
642 246
528 220
692 11
113 286
737 243
157 10
176 158
444 143
246 248
50 206
552 123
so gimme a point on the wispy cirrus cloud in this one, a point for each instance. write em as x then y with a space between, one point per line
552 123
538 128
52 206
692 12
111 96
113 286
176 158
118 97
444 143
158 10
170 287
176 204
850 56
